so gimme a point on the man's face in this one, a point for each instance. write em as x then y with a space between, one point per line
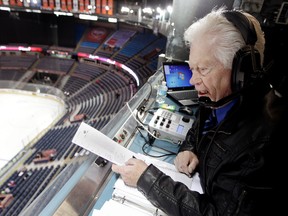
210 78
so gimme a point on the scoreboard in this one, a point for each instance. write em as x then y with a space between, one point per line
104 7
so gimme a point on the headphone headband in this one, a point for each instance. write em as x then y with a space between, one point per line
243 24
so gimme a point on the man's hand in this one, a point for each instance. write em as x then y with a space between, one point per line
186 162
131 171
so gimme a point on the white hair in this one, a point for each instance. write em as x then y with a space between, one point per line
223 37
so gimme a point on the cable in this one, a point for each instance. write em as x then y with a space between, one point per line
148 142
157 156
137 116
142 107
151 89
138 120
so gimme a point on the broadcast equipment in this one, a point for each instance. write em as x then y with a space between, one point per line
170 125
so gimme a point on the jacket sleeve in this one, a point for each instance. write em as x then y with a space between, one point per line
173 198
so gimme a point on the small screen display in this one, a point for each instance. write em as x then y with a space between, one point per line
180 129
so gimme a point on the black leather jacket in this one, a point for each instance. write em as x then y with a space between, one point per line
235 163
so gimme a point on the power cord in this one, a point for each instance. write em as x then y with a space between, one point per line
157 156
149 142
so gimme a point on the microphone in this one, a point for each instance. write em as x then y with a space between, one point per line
206 101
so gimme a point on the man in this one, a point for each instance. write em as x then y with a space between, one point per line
232 151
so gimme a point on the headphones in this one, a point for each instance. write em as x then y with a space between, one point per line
246 66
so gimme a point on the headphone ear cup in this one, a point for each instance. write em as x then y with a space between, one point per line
243 68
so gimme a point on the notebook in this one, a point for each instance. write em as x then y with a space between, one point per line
177 76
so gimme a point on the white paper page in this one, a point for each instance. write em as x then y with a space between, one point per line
168 169
97 212
114 208
130 193
98 143
196 186
120 185
133 197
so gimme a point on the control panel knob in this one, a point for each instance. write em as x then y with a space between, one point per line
185 119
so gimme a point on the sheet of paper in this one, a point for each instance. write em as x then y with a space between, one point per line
113 208
130 193
196 185
168 169
98 143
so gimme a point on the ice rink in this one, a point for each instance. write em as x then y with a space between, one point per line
23 116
